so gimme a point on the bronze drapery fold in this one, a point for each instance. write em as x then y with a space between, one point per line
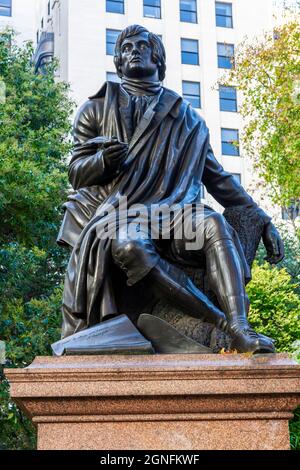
169 157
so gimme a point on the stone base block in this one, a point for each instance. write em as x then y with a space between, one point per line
160 402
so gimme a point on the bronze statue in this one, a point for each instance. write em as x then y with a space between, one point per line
144 142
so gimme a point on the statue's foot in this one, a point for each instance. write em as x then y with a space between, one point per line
266 337
247 340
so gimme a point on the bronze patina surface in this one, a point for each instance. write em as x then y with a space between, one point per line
142 142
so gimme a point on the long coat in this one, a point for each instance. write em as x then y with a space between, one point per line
169 157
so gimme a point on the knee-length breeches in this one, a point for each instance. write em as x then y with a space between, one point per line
138 255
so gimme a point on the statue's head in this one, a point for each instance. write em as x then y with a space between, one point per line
140 54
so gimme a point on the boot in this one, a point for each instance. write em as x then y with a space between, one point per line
226 279
244 338
180 290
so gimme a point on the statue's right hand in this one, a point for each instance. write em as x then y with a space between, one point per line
114 153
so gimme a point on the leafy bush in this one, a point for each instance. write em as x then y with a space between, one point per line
28 330
275 306
291 261
295 430
275 311
295 422
16 431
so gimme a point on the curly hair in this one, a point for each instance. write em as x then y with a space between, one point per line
158 50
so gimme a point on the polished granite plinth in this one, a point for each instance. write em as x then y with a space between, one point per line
159 402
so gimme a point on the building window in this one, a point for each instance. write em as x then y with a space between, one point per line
237 177
5 7
225 56
49 8
115 6
228 99
37 37
112 77
192 93
152 8
189 52
230 142
188 11
42 23
224 15
111 39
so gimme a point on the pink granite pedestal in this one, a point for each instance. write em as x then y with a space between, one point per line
159 402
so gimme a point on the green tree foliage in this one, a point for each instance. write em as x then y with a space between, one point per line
267 72
295 430
34 143
275 306
16 431
291 261
31 326
29 329
34 122
275 311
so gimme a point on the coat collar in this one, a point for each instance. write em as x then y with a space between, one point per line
171 99
169 104
101 93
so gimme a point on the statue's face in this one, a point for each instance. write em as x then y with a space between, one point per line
137 60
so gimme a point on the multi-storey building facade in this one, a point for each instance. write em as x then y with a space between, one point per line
200 37
20 16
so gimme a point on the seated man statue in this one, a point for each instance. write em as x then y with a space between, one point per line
143 142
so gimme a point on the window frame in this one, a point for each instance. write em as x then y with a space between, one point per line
7 8
152 6
225 57
227 142
122 2
228 99
195 12
190 94
224 16
117 31
188 52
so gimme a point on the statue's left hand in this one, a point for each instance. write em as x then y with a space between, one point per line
273 244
